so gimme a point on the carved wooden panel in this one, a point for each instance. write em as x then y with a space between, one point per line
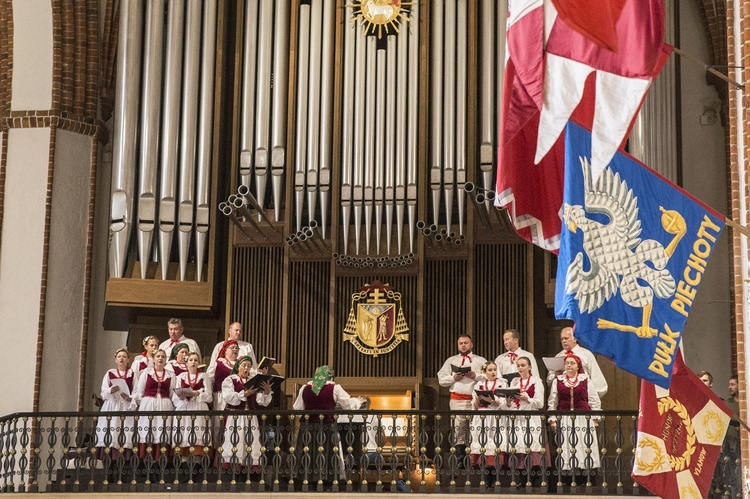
256 299
444 310
308 308
501 295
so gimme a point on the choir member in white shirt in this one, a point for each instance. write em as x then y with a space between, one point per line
234 333
240 429
525 433
117 388
506 362
488 431
193 392
461 385
590 366
154 393
175 329
223 369
574 391
146 358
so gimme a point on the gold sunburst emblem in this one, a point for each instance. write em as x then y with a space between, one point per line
379 15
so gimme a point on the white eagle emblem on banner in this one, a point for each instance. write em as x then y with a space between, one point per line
618 259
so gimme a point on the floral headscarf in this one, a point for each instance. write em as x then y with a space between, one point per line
176 349
239 362
322 375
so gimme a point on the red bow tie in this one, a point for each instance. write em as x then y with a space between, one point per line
464 358
513 357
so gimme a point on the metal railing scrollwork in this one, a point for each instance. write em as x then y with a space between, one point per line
361 451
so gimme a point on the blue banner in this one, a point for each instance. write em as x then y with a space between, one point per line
633 251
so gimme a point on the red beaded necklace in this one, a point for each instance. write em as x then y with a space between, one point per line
191 382
573 383
160 379
123 375
523 385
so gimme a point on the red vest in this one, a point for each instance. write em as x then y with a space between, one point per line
249 405
157 389
222 371
128 378
324 401
580 399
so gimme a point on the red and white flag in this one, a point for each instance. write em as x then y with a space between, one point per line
555 73
680 433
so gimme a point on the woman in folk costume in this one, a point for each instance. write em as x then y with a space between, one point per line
525 433
241 432
321 394
115 431
145 359
193 392
153 393
488 431
573 391
224 364
177 358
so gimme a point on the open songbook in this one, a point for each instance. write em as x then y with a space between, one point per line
119 382
266 362
500 392
258 379
184 392
460 369
554 363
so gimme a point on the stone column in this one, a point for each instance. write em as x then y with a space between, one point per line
48 152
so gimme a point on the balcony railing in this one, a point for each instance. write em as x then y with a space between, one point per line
372 451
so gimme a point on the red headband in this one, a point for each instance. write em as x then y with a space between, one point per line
570 354
223 351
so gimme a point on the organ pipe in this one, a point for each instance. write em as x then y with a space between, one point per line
205 134
413 124
326 112
190 82
401 134
390 135
313 108
279 101
150 118
379 144
461 122
125 133
369 146
170 132
359 132
347 129
247 115
437 101
263 97
300 157
448 80
487 78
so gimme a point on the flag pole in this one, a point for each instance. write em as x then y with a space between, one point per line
708 68
738 227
